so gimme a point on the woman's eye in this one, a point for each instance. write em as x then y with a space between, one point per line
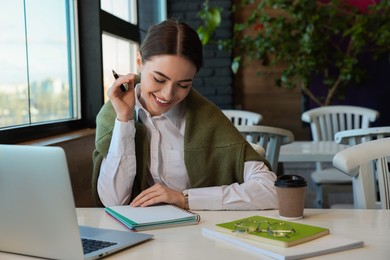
183 86
159 80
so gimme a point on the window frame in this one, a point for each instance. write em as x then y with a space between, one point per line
91 22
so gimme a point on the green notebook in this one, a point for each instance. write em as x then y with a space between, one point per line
303 233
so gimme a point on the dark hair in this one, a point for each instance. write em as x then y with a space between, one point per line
173 38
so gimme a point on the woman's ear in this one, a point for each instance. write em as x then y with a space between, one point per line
139 62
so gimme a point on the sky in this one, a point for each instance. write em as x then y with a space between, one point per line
46 32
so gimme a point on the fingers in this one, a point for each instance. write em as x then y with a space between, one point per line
123 102
148 197
158 193
124 81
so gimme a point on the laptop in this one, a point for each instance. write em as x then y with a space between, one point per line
37 210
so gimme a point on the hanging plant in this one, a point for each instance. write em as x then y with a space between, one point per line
311 38
211 18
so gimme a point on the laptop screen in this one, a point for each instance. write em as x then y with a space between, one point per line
38 215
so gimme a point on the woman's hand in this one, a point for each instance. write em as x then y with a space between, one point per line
123 102
159 193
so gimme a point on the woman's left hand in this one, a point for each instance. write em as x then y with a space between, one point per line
159 193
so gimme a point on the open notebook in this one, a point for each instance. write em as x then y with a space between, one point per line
152 217
38 216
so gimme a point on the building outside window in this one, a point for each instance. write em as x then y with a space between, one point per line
38 62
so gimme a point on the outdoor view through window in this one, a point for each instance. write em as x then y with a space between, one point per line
38 69
118 53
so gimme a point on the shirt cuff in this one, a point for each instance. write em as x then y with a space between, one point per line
205 198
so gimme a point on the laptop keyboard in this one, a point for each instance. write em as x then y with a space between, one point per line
91 245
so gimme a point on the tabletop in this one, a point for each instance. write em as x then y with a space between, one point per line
310 151
188 242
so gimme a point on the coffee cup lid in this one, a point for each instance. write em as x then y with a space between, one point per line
290 181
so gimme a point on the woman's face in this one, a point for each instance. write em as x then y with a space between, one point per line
166 80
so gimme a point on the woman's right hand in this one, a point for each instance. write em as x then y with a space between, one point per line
123 102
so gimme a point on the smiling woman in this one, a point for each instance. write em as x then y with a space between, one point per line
157 144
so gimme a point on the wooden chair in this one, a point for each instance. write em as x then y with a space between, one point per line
270 138
368 165
242 117
325 122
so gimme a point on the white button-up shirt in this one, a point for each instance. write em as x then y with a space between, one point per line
166 166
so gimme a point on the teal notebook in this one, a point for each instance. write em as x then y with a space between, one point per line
152 217
303 233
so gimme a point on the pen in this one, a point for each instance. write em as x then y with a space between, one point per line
123 88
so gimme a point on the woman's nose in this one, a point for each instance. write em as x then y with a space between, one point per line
168 91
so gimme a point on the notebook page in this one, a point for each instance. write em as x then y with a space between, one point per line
160 213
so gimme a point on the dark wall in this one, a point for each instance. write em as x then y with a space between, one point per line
373 92
215 80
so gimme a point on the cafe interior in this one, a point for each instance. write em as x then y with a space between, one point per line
305 85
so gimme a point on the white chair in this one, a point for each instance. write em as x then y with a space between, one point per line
259 149
325 122
368 165
242 117
357 136
270 138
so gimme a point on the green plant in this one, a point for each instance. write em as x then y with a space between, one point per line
311 38
211 18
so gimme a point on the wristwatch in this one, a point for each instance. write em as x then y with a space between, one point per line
185 194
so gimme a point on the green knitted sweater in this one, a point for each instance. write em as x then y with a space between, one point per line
214 150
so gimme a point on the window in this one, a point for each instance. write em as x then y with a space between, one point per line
119 55
124 9
55 61
38 60
119 50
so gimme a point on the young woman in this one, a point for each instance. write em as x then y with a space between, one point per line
162 142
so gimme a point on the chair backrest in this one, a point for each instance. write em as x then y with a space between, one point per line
357 136
357 161
326 121
270 138
242 117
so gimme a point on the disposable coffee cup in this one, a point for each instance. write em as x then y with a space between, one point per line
291 190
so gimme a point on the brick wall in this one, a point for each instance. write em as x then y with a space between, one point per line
215 80
280 107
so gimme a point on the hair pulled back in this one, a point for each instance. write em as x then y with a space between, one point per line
171 37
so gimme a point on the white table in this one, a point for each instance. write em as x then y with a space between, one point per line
188 242
371 226
310 151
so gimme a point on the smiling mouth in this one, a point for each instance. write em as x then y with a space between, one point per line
164 102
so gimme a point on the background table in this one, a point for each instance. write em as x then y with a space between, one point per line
309 151
188 242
